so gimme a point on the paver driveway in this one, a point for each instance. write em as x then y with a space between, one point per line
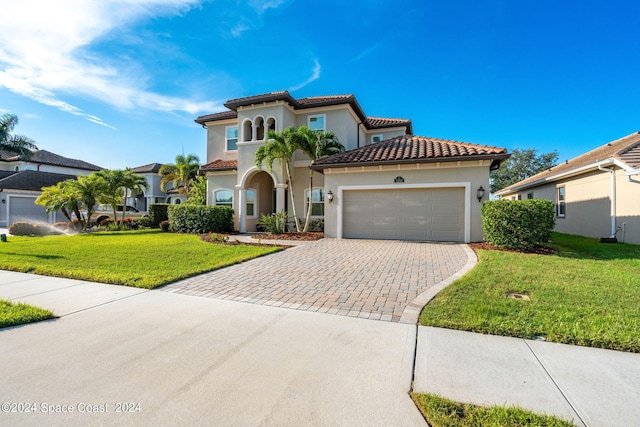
371 279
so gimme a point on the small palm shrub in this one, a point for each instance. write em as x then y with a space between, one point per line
275 223
22 229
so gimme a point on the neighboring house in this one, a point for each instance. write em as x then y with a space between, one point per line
388 185
21 182
154 194
596 194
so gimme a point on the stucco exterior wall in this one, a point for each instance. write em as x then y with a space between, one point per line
476 173
216 141
588 204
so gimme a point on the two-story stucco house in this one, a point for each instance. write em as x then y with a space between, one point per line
154 194
389 184
596 194
21 182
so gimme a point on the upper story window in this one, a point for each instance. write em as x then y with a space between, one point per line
530 196
224 198
376 138
560 202
317 122
232 138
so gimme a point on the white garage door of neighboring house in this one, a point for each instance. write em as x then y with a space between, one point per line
24 209
436 214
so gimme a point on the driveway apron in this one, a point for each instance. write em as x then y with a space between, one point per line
369 279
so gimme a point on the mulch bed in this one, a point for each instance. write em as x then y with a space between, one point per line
538 250
310 235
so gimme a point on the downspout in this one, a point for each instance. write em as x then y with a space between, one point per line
613 197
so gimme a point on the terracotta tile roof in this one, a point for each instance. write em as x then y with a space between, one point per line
150 168
32 180
220 165
217 116
302 103
382 122
48 158
626 149
411 149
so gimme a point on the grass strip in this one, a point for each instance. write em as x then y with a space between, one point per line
587 293
441 412
12 314
144 258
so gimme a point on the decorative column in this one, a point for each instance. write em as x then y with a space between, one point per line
242 209
280 196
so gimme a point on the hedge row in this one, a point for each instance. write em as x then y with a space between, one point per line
158 212
518 224
200 219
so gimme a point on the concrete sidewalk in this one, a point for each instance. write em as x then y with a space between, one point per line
588 386
184 360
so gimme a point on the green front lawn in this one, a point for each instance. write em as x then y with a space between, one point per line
12 314
587 293
440 412
144 259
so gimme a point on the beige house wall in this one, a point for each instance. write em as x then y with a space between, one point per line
588 204
216 141
472 173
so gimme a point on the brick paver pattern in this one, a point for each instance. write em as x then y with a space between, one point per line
371 279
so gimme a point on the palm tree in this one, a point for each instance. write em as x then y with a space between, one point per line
180 174
57 198
135 183
18 144
112 183
280 146
88 189
316 144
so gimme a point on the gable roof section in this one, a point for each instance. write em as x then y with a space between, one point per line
411 149
220 165
48 158
150 168
626 150
32 180
302 103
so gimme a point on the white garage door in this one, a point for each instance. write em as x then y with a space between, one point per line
435 214
24 209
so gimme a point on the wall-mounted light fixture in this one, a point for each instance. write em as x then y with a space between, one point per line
480 193
330 196
4 201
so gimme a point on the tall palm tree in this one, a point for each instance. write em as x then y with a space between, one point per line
112 183
316 144
280 146
180 174
18 144
134 183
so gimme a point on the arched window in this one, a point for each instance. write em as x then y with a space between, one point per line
260 129
177 201
247 131
271 124
223 198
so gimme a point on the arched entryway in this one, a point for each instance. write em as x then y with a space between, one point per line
260 194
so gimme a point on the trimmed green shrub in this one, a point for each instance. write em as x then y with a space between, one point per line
22 229
158 212
141 222
276 223
518 224
200 219
164 225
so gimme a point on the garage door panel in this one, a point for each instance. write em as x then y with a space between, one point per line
25 209
408 214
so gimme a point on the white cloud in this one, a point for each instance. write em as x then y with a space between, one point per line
367 51
315 75
43 47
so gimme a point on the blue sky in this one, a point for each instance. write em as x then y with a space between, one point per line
119 83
